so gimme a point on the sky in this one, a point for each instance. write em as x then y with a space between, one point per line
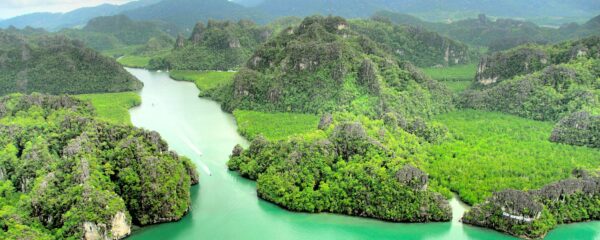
12 8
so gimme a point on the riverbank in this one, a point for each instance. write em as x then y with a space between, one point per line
225 206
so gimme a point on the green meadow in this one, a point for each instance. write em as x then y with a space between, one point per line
113 107
274 126
204 80
457 78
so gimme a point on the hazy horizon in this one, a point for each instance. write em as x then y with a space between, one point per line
14 8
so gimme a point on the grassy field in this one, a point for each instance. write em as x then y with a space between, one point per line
117 52
129 56
274 126
113 107
205 80
457 78
134 61
495 151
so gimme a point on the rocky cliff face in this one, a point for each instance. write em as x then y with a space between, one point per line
325 62
58 65
83 178
579 128
552 92
532 214
527 59
215 45
355 166
119 228
416 45
500 66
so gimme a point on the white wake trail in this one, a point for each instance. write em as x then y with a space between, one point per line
197 151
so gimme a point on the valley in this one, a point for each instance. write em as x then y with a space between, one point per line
276 119
225 200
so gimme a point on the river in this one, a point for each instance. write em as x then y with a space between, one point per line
225 206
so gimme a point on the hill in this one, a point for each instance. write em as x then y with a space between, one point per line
218 45
322 65
589 28
416 45
54 64
67 175
435 10
557 83
531 58
78 17
352 165
547 95
186 13
497 35
119 31
532 214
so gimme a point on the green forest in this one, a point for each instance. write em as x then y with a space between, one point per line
58 65
341 168
216 45
307 119
67 174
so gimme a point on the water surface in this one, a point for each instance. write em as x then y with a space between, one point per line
225 206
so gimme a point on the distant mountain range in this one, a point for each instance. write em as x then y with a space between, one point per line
75 18
185 13
497 34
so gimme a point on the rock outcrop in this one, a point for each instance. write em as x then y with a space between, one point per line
421 47
84 178
217 45
413 177
579 128
532 214
346 169
119 228
530 58
324 65
58 65
504 65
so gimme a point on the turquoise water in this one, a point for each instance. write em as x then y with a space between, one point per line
225 206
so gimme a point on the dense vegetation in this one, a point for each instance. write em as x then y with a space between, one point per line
105 33
323 66
420 47
57 65
490 152
531 58
579 128
214 46
274 126
548 83
353 166
547 95
531 214
66 175
113 107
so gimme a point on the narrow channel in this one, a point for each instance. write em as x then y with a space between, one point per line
225 206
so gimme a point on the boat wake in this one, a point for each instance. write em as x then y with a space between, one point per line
197 151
